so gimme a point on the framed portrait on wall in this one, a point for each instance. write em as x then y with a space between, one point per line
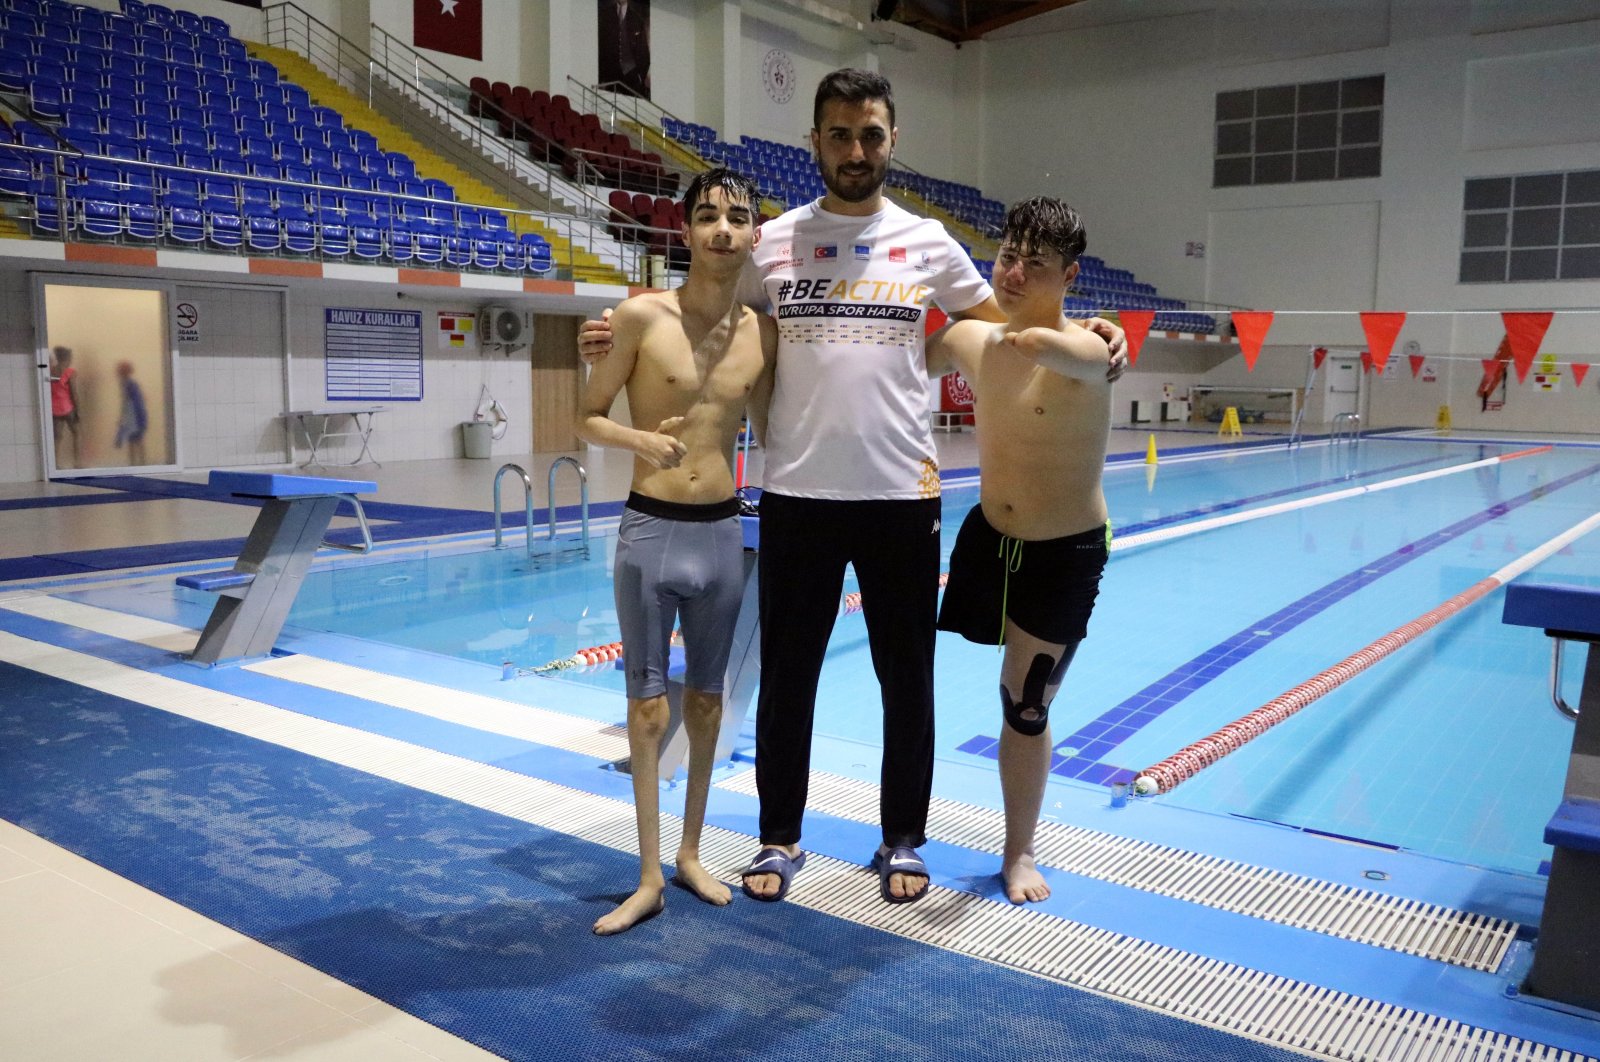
625 46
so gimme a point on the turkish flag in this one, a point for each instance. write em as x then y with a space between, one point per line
453 26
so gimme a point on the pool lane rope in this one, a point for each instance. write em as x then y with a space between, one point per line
851 603
1190 760
1165 534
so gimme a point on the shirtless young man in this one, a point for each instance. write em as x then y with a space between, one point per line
691 360
851 473
1027 563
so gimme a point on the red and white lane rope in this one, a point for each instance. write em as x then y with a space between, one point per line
1190 760
1164 534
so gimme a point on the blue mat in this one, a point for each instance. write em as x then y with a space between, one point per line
480 924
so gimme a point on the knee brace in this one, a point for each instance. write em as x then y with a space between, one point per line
1043 673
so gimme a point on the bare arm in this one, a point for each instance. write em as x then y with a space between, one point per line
610 375
957 347
987 310
1072 351
761 394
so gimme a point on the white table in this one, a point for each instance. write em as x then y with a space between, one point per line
315 423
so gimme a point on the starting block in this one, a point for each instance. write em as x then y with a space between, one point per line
254 597
1568 949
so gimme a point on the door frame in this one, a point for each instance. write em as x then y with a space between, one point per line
41 335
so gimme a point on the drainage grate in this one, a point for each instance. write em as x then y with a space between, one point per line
1249 1003
1460 938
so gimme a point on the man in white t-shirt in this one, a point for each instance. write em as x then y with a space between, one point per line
851 473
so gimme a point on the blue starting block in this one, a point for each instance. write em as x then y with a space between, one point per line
255 595
1568 951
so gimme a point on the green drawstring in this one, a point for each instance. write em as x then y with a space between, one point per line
1013 562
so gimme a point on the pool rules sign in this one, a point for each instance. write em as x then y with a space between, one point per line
373 354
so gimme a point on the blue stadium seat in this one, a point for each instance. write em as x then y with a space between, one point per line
214 27
186 224
225 229
538 257
428 242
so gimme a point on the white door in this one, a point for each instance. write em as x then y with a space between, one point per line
1344 386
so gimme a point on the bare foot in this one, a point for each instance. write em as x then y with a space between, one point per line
645 903
694 877
1024 883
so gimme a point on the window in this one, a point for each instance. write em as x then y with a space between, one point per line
1317 131
1533 226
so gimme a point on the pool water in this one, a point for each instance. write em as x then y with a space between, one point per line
1449 747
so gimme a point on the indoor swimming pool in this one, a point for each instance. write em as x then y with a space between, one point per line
1449 748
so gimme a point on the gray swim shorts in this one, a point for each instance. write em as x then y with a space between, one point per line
677 562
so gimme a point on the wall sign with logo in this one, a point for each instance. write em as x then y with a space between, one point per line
777 75
186 322
373 354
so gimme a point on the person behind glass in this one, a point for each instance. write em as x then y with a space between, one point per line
851 473
692 360
625 46
64 404
134 418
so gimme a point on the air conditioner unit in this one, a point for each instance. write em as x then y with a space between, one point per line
505 326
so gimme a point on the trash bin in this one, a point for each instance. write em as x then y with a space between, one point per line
477 438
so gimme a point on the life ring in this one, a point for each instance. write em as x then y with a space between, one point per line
494 413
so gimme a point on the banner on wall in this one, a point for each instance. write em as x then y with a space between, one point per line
373 354
625 46
451 26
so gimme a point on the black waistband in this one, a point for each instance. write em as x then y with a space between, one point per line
668 510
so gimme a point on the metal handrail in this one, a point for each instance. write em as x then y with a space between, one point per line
355 69
583 498
1561 705
365 545
1346 428
527 503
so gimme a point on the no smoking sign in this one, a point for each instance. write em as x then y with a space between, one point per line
187 319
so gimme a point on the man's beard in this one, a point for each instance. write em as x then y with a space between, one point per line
862 187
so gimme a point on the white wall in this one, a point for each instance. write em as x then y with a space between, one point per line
21 459
1110 105
452 382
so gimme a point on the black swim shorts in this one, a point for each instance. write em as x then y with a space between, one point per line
1047 588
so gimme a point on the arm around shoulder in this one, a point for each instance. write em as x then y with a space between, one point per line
1071 350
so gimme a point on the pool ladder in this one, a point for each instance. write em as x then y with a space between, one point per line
1346 428
527 502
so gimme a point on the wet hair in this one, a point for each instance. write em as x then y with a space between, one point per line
736 186
1042 224
852 86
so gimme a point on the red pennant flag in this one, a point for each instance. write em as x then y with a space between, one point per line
1525 331
1366 361
1251 328
453 26
1580 369
1317 357
1492 369
934 320
1136 323
1416 364
1381 328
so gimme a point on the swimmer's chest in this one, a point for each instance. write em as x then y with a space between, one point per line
719 369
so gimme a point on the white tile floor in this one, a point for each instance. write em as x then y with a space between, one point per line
94 967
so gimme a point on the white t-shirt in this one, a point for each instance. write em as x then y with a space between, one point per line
849 416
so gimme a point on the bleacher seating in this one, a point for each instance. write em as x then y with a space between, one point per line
962 201
559 135
158 125
783 172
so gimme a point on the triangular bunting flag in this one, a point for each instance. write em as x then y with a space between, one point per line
1136 323
1381 328
1416 364
1580 369
1366 361
1318 355
1525 331
1251 328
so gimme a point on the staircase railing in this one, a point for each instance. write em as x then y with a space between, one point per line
463 144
